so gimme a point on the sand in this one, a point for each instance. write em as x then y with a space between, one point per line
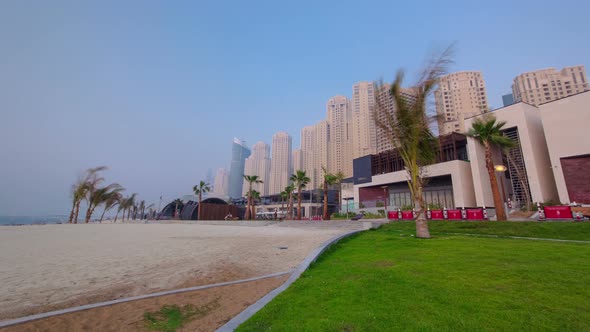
49 267
224 302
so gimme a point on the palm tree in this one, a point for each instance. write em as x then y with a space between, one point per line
300 180
111 200
178 204
488 132
200 189
141 209
408 129
130 203
255 196
78 194
98 196
339 177
289 190
250 179
80 190
284 195
150 209
329 179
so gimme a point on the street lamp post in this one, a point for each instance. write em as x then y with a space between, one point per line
501 169
385 196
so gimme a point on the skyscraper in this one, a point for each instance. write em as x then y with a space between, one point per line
544 85
280 169
364 133
258 164
236 172
308 149
339 118
297 160
459 95
221 182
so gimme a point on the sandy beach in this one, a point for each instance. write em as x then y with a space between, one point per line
50 267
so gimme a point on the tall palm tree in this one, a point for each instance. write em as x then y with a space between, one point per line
150 209
178 204
300 180
289 191
255 197
200 189
284 195
488 132
111 200
78 194
408 129
339 178
97 196
80 190
251 179
141 209
130 203
329 179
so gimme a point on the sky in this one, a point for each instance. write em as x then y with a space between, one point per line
157 90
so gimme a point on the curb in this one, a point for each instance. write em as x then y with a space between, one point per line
30 318
254 308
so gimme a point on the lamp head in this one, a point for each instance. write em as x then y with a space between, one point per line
500 168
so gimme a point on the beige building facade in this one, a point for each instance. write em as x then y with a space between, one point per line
280 169
565 123
529 167
339 117
545 85
364 133
259 164
297 160
221 184
459 96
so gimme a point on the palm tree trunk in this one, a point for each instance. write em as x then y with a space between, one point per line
299 205
77 211
88 213
500 213
102 215
326 214
253 212
116 215
72 212
421 223
200 205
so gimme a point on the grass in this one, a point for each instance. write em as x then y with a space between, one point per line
553 230
172 317
385 280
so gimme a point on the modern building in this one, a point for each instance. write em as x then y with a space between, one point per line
507 99
459 96
339 118
281 164
308 149
258 164
297 160
549 162
545 85
236 172
565 122
221 184
315 151
364 133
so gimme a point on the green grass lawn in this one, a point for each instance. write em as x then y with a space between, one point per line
385 280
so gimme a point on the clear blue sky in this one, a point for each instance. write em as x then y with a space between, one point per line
156 90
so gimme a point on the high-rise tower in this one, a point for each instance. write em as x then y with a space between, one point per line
280 169
236 172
